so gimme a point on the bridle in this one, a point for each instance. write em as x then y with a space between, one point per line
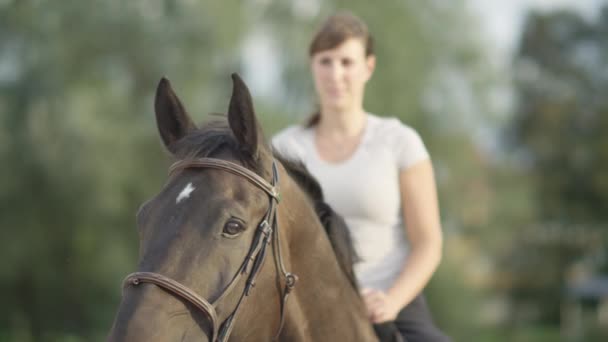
252 264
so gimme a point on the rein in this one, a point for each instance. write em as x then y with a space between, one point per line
252 264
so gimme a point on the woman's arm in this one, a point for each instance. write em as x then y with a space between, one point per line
423 228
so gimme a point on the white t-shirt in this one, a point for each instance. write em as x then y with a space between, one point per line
364 189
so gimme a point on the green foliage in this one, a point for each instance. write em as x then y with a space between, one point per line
81 149
562 116
80 152
559 132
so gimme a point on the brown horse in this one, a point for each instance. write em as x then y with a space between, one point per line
234 246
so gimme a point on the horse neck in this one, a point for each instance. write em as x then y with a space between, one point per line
324 303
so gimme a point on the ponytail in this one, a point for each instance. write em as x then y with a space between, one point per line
313 119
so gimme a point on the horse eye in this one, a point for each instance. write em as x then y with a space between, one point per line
232 229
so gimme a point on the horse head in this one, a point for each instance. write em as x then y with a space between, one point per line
219 240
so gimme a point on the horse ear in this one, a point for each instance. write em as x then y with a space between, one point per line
242 120
171 118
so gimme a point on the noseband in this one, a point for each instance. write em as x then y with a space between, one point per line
252 264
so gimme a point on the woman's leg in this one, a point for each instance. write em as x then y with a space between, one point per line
388 332
416 323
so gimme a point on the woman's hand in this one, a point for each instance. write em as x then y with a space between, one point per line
380 307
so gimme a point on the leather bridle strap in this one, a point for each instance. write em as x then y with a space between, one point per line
255 257
271 189
251 264
176 288
261 242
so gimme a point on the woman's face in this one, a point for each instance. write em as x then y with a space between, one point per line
340 75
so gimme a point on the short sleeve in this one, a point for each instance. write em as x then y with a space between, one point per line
409 146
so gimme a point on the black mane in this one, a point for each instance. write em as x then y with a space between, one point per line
334 224
215 137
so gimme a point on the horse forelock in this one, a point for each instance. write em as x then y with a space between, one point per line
215 139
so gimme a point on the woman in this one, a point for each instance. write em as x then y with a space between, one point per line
375 172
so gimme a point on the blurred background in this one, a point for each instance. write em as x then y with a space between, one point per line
509 96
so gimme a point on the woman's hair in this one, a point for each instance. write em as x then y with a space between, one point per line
337 29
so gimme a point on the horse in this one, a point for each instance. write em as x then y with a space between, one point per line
231 203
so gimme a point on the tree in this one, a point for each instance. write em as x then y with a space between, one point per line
76 91
559 134
80 151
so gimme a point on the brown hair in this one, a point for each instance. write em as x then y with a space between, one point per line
337 29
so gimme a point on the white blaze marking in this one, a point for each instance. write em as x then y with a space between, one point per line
185 193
